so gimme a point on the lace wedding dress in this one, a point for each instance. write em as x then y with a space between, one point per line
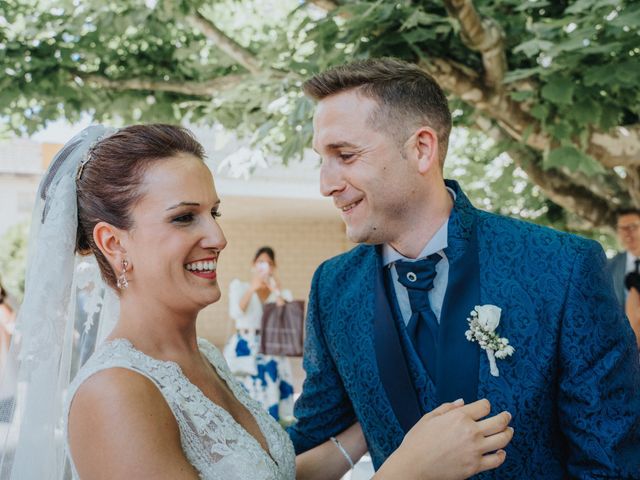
213 442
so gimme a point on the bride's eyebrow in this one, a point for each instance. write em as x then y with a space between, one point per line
183 204
190 204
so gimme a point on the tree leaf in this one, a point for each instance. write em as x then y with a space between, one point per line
574 160
532 47
521 74
559 90
522 95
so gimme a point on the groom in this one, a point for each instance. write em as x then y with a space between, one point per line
386 334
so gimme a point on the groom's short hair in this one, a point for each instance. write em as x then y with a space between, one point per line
406 95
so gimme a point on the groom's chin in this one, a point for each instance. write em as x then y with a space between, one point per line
367 236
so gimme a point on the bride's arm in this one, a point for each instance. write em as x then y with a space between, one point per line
326 462
450 443
120 427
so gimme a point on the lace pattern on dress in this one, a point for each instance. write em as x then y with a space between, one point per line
213 442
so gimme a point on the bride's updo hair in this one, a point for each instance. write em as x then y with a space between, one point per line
108 185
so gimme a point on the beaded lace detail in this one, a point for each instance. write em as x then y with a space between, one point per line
213 442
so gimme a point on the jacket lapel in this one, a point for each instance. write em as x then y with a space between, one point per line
458 358
366 351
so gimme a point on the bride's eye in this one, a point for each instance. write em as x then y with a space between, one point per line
186 218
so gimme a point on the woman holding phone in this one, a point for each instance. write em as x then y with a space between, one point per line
267 377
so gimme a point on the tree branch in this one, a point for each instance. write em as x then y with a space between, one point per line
633 182
558 186
204 88
466 85
226 44
481 35
562 190
620 147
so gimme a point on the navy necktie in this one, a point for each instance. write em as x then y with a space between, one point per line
417 278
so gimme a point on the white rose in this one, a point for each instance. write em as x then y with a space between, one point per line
488 316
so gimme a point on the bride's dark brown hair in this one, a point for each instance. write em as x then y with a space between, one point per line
109 184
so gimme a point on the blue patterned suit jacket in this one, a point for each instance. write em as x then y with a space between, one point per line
573 384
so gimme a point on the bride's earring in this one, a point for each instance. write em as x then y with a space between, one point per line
122 282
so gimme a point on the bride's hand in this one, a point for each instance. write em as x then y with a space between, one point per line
453 442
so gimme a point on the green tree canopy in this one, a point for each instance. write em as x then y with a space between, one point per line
552 83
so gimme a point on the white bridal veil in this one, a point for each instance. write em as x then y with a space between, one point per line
67 310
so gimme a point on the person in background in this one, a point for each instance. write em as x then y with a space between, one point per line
267 378
624 268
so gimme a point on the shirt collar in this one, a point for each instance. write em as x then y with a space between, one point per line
437 243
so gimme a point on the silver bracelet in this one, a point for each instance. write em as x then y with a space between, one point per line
343 451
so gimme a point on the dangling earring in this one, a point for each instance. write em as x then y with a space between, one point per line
122 282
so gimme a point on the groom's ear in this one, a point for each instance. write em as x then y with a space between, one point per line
426 148
109 241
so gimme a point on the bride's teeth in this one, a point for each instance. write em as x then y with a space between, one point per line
208 266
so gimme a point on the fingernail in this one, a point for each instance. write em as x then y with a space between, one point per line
509 414
459 402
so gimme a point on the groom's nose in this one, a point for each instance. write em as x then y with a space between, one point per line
331 180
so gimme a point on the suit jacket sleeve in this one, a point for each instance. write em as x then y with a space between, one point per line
599 391
323 409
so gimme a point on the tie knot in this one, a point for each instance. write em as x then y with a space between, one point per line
418 275
637 262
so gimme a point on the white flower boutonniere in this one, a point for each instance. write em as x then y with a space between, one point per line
483 322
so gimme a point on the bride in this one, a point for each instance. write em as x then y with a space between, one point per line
154 400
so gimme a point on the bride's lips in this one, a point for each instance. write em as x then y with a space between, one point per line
208 275
203 268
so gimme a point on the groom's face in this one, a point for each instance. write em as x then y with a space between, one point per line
363 168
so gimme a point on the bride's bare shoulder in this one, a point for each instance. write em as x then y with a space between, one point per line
120 414
116 392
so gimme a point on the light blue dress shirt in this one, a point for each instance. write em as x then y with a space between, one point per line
437 244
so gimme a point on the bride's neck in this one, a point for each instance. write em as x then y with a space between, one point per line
156 329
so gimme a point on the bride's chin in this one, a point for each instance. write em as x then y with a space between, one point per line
212 297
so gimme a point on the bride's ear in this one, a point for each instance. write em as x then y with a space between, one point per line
109 240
